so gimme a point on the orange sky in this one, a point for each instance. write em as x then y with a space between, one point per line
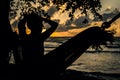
73 32
64 17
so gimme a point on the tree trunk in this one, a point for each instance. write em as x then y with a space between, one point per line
5 34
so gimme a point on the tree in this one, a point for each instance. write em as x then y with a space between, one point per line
5 34
85 7
5 31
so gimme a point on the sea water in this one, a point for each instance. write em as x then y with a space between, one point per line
105 61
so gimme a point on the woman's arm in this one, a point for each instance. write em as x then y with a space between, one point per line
21 27
49 31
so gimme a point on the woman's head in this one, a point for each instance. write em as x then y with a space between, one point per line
34 23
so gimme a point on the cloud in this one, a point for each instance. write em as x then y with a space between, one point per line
112 3
51 10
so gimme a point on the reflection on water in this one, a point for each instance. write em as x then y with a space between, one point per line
106 61
98 62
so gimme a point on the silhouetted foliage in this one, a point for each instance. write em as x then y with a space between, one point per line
84 6
108 39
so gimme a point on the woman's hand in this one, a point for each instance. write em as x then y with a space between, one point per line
105 25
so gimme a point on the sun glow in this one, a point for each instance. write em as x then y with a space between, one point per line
109 7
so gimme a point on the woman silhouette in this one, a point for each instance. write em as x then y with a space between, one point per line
33 44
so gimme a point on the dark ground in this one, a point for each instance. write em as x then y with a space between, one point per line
67 75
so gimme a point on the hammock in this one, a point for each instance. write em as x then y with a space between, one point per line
64 55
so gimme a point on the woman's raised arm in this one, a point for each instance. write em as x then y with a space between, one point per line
49 31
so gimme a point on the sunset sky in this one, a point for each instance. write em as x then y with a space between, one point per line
106 4
110 4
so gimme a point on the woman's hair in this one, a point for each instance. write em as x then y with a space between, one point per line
34 22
